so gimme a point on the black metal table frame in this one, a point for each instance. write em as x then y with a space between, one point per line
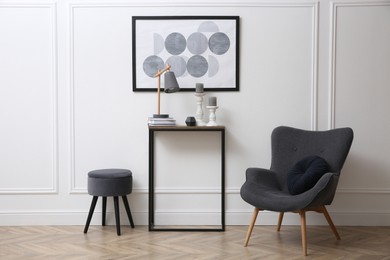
152 130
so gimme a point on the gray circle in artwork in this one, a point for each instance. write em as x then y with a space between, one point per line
213 66
197 66
152 64
208 26
158 43
197 43
175 43
219 43
178 65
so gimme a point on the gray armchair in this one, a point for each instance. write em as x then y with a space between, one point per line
269 189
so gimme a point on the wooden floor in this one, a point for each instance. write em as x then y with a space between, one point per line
69 242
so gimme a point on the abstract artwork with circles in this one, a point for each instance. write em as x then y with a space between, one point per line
198 49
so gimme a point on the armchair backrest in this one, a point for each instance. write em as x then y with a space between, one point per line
289 145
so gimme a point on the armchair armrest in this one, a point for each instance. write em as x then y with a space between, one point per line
262 177
323 192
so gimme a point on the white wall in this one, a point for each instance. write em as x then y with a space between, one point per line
67 107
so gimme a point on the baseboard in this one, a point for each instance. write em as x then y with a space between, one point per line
62 218
194 218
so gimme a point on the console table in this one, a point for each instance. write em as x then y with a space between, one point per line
152 131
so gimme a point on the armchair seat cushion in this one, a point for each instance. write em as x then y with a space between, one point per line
305 174
269 197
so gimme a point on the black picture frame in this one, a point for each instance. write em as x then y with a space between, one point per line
200 49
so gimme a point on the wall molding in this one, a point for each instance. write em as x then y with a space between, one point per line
236 191
314 80
54 76
73 6
334 6
179 3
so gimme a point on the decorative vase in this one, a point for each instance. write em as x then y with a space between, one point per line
191 121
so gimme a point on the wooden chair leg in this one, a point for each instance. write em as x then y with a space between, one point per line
104 206
302 213
251 225
91 209
117 218
281 214
330 222
127 207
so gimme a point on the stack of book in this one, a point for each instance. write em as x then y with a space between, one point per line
169 121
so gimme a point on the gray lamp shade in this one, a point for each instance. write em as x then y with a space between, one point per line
170 82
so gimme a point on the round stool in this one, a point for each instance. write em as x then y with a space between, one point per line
106 183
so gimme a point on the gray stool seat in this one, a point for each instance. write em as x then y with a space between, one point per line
110 183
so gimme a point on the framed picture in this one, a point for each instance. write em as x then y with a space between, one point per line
199 49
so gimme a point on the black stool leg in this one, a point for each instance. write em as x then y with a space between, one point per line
117 219
91 209
126 202
104 206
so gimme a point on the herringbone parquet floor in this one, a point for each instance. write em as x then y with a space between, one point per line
69 242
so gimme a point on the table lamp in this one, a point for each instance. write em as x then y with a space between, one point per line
170 86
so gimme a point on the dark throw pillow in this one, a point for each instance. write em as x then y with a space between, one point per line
305 174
